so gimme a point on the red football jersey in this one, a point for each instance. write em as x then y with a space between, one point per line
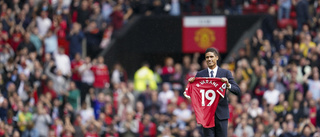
75 73
101 75
205 94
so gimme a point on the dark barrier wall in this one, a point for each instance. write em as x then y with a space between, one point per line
152 39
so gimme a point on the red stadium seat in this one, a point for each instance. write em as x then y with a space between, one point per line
293 14
262 8
254 2
249 9
284 22
294 23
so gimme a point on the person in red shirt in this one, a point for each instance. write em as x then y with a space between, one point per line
49 89
91 132
75 64
101 75
168 69
16 38
117 17
313 112
147 128
4 35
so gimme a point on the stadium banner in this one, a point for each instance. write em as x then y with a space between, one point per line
202 32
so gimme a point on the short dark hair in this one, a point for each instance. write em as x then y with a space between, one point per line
215 51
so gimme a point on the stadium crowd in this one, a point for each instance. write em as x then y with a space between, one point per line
49 89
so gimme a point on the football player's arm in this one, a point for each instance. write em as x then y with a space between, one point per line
234 86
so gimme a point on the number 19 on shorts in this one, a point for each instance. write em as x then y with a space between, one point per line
205 95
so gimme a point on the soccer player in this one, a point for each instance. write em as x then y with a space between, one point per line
222 111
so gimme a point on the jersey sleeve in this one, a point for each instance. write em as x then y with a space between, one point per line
187 92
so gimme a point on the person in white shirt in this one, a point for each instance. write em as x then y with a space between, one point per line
63 62
243 129
86 113
43 23
271 95
61 84
254 110
165 96
183 114
21 88
276 130
87 77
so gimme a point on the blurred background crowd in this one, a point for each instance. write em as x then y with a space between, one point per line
52 85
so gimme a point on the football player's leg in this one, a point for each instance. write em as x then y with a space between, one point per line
221 128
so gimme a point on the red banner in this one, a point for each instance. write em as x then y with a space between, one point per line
200 33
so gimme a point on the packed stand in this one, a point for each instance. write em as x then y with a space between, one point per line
278 74
48 89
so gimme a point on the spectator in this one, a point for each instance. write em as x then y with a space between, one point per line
97 102
176 78
243 129
129 126
271 95
75 37
117 17
26 43
313 84
101 75
60 84
183 114
233 7
276 130
254 110
107 10
126 101
22 92
144 77
30 131
24 118
168 69
42 120
94 36
16 33
147 127
7 52
119 74
306 45
156 8
87 77
73 95
175 8
165 96
97 16
302 13
290 130
75 65
35 40
291 94
62 62
261 89
83 13
284 9
43 23
86 113
269 24
50 42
